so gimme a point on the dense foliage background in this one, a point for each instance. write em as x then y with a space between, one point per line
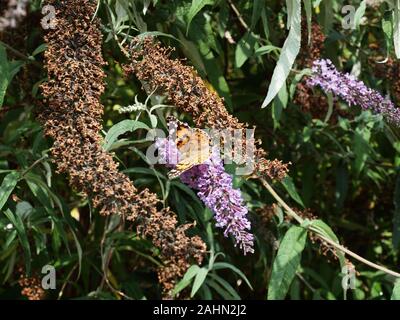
344 161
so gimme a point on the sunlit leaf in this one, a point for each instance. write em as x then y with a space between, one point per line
199 280
121 128
396 291
286 262
288 54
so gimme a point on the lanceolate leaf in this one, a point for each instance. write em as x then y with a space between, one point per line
197 5
359 13
361 147
396 28
288 55
257 9
187 279
7 186
308 9
287 182
387 27
121 128
286 262
396 291
7 72
198 281
225 265
3 74
23 237
244 49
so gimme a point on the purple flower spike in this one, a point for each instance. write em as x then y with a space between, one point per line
214 187
351 90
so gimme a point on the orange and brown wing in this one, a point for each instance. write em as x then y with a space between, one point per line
194 147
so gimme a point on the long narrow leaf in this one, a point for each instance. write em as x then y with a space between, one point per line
288 55
7 186
23 238
286 262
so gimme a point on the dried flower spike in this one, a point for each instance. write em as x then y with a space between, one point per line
187 91
73 119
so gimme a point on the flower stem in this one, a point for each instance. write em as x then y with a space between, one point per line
338 246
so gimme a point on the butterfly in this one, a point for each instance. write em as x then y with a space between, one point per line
193 145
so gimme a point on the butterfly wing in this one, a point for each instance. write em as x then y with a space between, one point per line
194 148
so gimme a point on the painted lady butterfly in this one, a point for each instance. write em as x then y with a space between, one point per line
193 145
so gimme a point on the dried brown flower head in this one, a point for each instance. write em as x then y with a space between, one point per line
266 213
151 63
314 103
31 287
390 70
311 51
72 119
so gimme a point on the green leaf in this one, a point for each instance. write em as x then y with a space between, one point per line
156 34
244 49
286 262
387 27
280 103
23 209
396 28
8 69
231 293
142 171
7 186
187 278
192 52
361 147
396 215
265 50
23 237
265 22
308 9
287 182
225 265
329 95
359 13
195 8
198 281
40 49
327 15
3 74
121 128
288 54
396 291
217 287
326 231
257 10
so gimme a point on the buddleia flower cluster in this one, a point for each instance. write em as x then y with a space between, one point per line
352 90
215 189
